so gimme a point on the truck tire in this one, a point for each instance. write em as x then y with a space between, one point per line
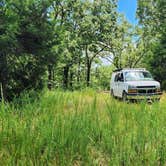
112 93
124 96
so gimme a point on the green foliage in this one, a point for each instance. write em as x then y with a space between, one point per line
157 62
101 77
25 42
60 43
152 16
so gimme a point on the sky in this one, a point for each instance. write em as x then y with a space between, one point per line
128 7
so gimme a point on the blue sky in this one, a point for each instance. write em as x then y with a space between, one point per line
128 7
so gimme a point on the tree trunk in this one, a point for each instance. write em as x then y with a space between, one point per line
88 74
65 77
50 77
3 75
71 80
53 75
78 71
88 66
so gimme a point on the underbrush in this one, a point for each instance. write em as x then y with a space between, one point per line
82 128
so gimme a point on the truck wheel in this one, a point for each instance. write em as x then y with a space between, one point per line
112 93
156 100
124 97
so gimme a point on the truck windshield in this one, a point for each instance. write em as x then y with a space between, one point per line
138 76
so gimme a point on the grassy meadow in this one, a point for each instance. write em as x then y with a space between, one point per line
82 128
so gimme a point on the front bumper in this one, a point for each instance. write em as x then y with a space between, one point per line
151 96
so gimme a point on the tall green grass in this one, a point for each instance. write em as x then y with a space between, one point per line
82 128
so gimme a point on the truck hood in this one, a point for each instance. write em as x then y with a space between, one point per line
143 83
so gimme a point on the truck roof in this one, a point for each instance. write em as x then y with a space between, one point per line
130 69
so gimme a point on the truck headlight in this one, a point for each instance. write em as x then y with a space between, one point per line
158 89
131 87
132 90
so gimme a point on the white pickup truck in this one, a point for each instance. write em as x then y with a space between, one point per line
134 83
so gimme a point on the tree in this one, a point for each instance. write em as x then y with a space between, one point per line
151 16
120 45
26 40
98 20
8 42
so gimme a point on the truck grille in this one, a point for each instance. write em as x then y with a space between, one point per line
146 91
146 87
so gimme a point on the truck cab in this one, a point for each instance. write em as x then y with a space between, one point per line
134 83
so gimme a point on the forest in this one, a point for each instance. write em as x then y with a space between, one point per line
73 44
56 62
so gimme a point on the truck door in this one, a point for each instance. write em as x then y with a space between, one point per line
120 84
116 82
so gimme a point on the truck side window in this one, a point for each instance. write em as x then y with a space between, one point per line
116 77
121 77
